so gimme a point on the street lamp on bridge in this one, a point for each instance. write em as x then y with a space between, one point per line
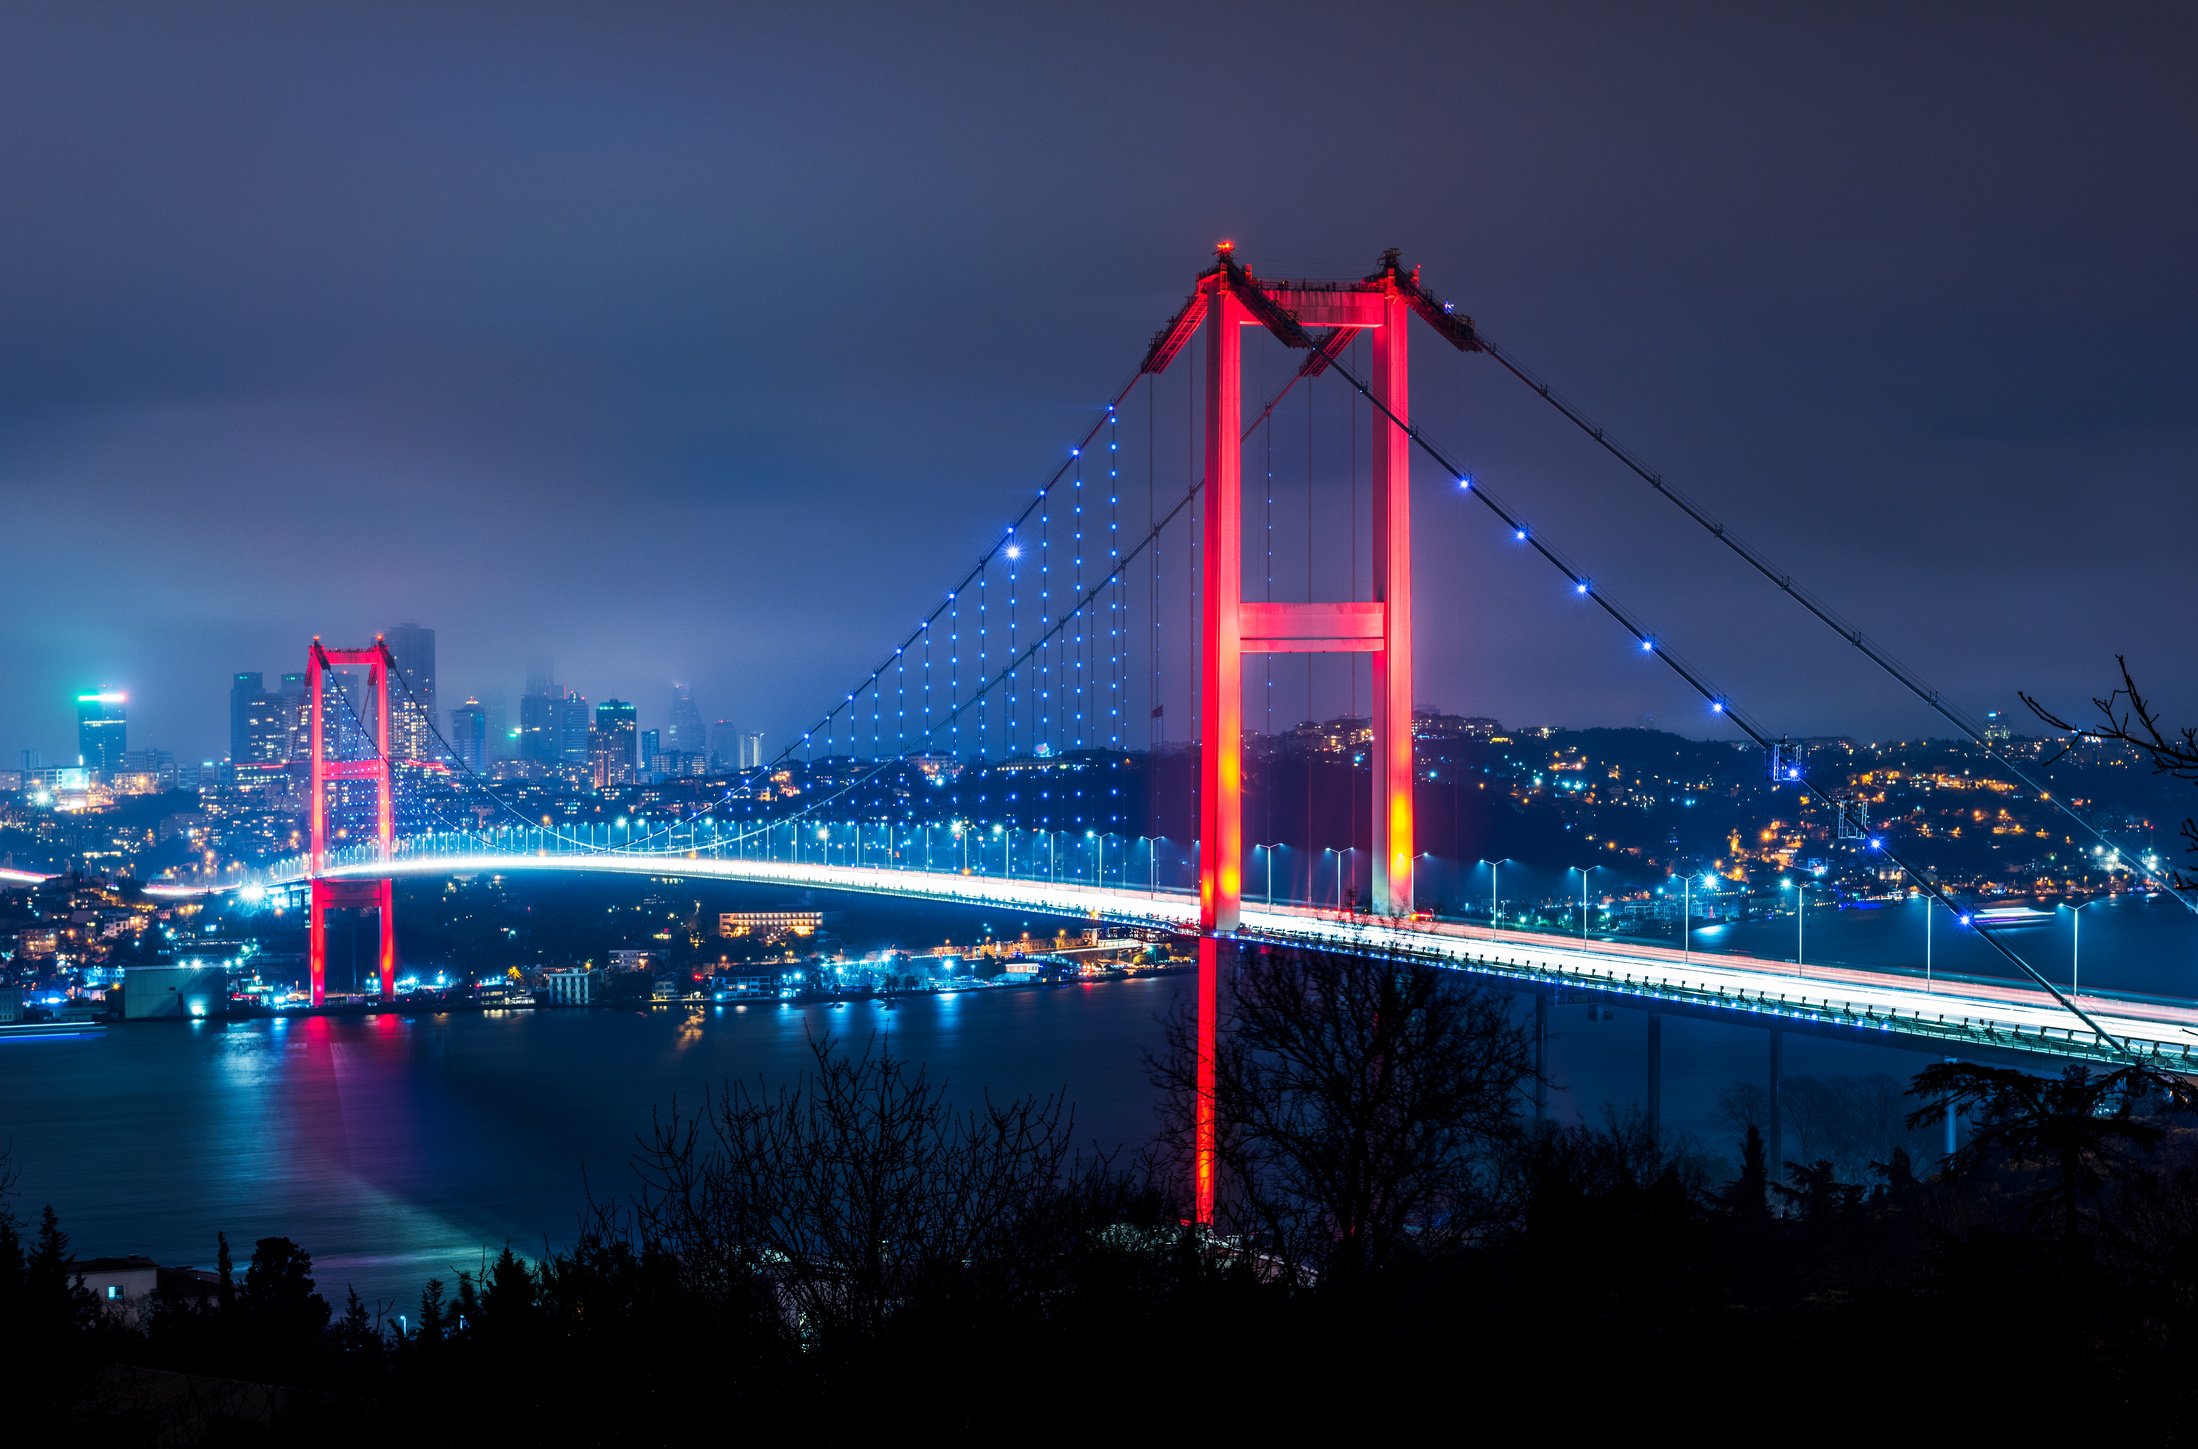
1495 911
2076 943
1584 871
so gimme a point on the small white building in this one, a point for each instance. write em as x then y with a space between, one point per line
570 986
120 1284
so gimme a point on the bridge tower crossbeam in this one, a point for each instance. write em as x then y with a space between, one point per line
377 895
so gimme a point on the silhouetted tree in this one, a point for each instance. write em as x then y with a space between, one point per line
1365 1106
508 1300
1747 1197
850 1195
2073 1130
427 1334
1815 1194
2126 717
280 1318
55 1300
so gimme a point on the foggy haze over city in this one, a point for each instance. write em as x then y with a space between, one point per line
703 362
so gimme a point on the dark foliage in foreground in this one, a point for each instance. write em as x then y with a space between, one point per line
854 1257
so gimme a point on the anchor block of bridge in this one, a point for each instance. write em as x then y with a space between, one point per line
1228 298
377 893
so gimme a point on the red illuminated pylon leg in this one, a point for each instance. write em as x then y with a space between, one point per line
1228 298
1205 1124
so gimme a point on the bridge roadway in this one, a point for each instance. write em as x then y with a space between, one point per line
1967 1015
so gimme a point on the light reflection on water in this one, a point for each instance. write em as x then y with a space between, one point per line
397 1148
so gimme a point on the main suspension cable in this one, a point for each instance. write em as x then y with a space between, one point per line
1717 701
1869 648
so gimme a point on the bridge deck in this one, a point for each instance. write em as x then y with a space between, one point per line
1967 1014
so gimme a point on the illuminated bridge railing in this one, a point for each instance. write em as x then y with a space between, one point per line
1973 1017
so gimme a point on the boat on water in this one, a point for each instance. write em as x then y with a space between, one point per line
2005 917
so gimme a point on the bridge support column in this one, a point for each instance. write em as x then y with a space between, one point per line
1775 1157
1953 1125
1541 1054
1221 680
1392 840
1205 1138
386 910
1656 1074
316 940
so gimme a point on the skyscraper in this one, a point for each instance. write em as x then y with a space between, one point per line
724 745
538 728
469 735
268 720
572 729
300 742
611 744
412 699
102 731
684 735
245 686
751 751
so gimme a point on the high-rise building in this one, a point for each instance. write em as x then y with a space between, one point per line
572 729
245 686
301 719
268 728
469 735
503 740
538 740
412 698
611 744
650 749
102 731
751 751
684 734
724 746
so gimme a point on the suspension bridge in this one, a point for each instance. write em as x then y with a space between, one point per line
1141 586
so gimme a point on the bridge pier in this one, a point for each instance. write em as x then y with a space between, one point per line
1656 1074
1541 1055
1953 1124
1205 1142
1775 1157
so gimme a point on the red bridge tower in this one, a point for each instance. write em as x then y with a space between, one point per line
1228 298
374 895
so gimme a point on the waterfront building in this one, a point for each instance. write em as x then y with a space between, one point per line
569 986
735 924
183 992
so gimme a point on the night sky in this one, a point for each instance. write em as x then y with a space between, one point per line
708 342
